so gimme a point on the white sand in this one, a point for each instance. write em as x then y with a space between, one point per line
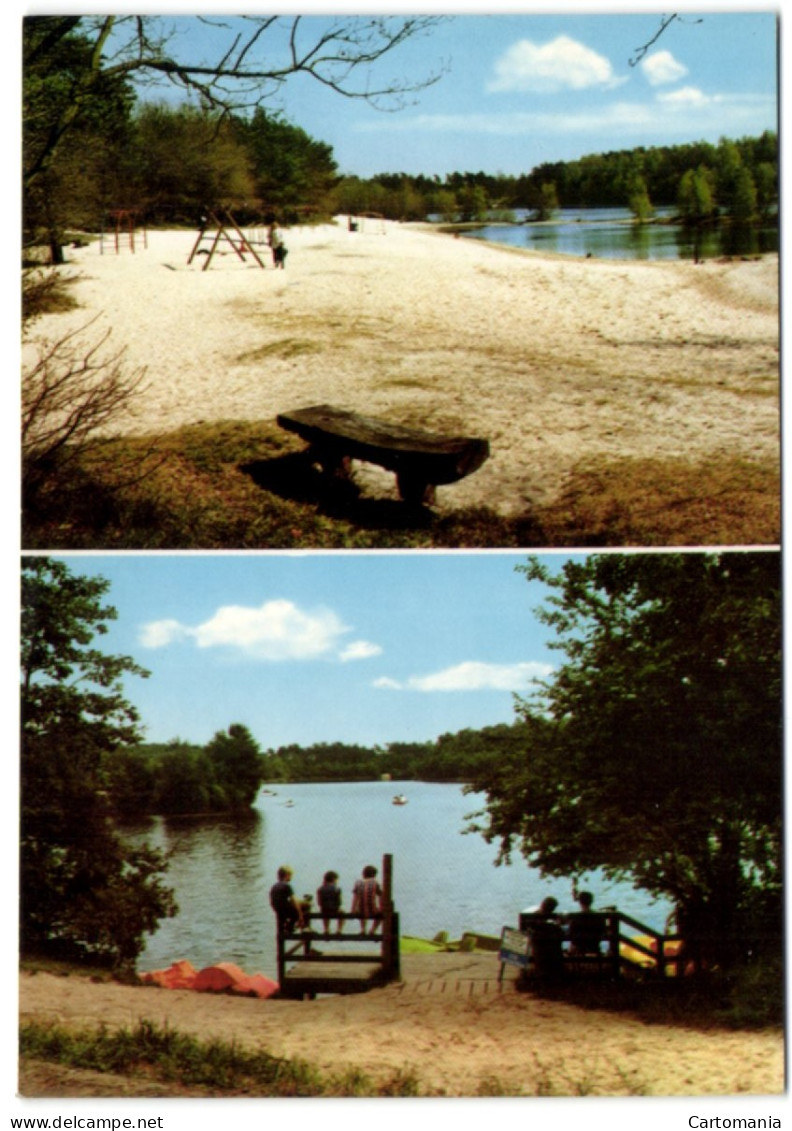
551 359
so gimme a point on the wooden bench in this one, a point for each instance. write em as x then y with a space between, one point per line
421 460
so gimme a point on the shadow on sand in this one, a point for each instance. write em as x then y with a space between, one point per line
295 477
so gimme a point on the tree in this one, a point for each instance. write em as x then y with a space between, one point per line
656 752
638 198
473 203
185 160
58 105
696 197
288 167
238 766
548 201
742 204
255 56
83 892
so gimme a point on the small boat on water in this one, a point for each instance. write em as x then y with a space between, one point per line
399 799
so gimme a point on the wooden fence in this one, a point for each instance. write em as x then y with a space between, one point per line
643 948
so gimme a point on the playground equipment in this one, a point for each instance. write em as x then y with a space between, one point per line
217 225
124 226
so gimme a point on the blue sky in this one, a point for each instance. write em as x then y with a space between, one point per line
517 90
369 648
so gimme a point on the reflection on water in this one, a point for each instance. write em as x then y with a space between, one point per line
222 868
608 233
216 867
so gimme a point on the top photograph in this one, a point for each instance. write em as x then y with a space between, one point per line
402 282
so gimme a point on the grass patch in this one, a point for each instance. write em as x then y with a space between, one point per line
284 349
219 1067
667 502
44 291
244 485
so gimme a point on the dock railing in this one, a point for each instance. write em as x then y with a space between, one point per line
301 946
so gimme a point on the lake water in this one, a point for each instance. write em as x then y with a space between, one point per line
222 869
607 233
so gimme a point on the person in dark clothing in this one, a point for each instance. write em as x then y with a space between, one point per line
546 936
328 896
284 903
587 928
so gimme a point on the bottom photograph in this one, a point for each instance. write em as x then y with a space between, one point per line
401 824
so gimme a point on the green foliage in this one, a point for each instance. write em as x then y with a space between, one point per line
638 199
182 160
451 757
216 1066
179 778
696 197
655 751
82 891
289 168
548 201
237 763
67 94
608 179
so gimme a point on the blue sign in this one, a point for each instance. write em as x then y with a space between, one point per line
514 947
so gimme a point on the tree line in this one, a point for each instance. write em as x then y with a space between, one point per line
735 179
225 775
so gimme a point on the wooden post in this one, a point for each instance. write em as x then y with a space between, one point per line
613 944
387 918
281 954
244 242
395 969
197 243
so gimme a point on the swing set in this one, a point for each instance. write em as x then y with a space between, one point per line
219 225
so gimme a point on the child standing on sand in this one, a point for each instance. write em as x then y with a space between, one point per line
328 896
367 899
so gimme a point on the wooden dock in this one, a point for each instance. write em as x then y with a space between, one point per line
311 962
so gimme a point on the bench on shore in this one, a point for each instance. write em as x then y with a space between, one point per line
421 460
543 948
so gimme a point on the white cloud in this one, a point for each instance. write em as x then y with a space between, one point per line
715 114
360 650
472 675
560 65
159 633
687 96
387 683
662 67
276 630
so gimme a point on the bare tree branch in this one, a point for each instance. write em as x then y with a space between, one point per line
72 396
640 52
256 55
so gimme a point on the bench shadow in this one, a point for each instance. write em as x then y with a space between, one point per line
295 477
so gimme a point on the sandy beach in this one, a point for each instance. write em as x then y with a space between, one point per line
553 360
449 1021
